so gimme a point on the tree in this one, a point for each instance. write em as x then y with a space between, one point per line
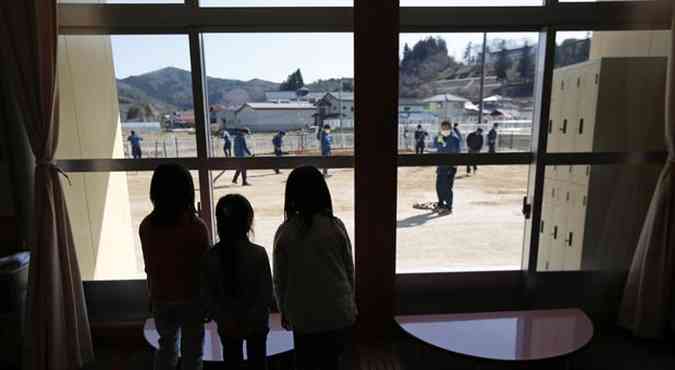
467 53
525 65
406 52
503 62
293 82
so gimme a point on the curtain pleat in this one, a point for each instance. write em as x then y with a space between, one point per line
648 306
60 338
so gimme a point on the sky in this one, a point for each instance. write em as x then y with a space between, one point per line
273 56
250 3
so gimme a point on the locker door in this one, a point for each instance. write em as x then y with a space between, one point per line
574 237
555 112
570 109
544 234
585 124
556 253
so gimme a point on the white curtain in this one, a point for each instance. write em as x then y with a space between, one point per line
59 336
648 307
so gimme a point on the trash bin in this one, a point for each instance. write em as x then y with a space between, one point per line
13 288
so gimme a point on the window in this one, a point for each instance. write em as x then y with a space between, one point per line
266 194
608 99
484 232
446 3
274 3
442 77
594 222
310 70
216 72
111 86
105 210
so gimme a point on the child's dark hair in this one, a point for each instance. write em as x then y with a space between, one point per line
307 194
234 219
172 193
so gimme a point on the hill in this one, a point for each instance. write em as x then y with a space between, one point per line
170 89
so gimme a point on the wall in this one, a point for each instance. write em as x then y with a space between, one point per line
98 203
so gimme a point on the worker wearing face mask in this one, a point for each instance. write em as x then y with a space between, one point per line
446 142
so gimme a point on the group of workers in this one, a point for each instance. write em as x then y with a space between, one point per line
449 140
241 149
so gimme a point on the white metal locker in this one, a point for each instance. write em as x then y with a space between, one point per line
574 233
555 112
570 109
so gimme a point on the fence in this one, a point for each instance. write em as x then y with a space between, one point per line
184 145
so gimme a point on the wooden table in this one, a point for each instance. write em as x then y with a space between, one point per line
504 336
278 341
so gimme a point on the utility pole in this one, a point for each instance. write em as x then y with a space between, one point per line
482 79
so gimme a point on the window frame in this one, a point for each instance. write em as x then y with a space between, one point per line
548 19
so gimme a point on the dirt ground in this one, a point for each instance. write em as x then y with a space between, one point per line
485 231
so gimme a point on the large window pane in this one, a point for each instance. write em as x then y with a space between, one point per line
484 231
442 77
266 194
122 1
608 91
112 85
592 215
268 83
274 3
443 3
105 210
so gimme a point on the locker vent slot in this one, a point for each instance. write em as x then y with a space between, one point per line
550 126
597 78
541 227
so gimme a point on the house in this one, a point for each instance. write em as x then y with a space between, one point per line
446 106
183 119
270 117
335 106
300 95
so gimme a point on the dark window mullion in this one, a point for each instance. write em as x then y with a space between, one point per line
201 126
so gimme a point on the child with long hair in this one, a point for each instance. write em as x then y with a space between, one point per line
237 288
314 273
174 241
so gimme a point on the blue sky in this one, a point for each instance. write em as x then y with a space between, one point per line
272 56
341 2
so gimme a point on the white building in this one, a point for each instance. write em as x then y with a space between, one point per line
446 106
270 117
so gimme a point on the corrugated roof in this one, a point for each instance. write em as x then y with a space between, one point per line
445 98
295 105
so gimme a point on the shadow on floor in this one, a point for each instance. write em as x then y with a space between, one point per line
418 220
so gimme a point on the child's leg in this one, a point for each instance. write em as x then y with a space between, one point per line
256 350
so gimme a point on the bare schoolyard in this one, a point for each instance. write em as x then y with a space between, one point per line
485 232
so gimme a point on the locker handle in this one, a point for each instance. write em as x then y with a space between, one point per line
555 232
564 127
541 227
527 208
581 126
550 126
569 241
